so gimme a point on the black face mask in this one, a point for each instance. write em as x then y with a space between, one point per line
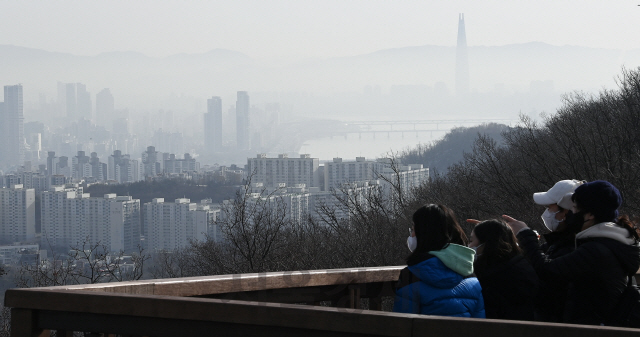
575 221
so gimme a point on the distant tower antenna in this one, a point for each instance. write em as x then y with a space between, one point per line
462 60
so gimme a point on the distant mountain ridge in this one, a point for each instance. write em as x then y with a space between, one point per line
132 75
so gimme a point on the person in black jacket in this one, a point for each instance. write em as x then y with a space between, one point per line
558 218
508 281
607 253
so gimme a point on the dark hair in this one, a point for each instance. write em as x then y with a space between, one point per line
435 227
602 200
624 222
499 244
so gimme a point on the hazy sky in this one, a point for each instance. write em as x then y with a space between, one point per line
322 28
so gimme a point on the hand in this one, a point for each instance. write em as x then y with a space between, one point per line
515 225
473 221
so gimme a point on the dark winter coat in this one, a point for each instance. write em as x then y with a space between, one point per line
436 286
553 295
597 271
509 289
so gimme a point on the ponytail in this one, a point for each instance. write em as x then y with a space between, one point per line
624 222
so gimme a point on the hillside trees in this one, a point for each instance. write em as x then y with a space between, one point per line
590 137
441 154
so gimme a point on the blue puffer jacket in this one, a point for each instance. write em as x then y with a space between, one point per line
436 286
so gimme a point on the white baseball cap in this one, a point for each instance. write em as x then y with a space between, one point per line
557 193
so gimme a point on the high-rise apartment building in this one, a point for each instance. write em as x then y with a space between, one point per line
71 100
12 127
105 108
71 217
52 162
151 162
74 101
98 169
174 165
27 179
273 172
122 168
213 125
170 226
17 214
243 137
339 172
84 106
80 166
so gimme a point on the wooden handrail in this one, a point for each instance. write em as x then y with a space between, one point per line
221 284
173 307
170 316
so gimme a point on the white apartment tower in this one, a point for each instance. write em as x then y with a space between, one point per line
17 214
273 172
69 217
339 172
170 226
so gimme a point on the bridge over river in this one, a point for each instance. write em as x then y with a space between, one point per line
409 127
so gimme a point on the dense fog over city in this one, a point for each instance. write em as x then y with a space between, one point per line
302 65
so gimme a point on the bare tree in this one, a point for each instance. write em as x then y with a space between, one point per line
590 137
85 263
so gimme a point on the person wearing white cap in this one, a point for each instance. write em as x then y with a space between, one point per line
560 241
558 202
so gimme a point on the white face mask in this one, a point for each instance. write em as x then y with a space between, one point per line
475 249
412 242
549 219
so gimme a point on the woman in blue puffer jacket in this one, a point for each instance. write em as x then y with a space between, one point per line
438 279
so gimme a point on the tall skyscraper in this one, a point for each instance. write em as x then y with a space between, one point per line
104 107
84 106
213 125
71 100
462 60
12 127
75 101
242 121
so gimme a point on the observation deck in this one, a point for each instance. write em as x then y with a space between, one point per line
335 302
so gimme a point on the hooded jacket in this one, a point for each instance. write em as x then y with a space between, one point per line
509 289
440 285
552 296
597 271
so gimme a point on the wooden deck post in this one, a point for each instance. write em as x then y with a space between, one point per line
23 324
354 296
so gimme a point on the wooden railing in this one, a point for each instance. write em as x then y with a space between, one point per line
262 304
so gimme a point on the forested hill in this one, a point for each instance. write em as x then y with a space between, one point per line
169 189
441 154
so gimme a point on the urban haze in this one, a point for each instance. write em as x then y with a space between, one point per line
241 92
